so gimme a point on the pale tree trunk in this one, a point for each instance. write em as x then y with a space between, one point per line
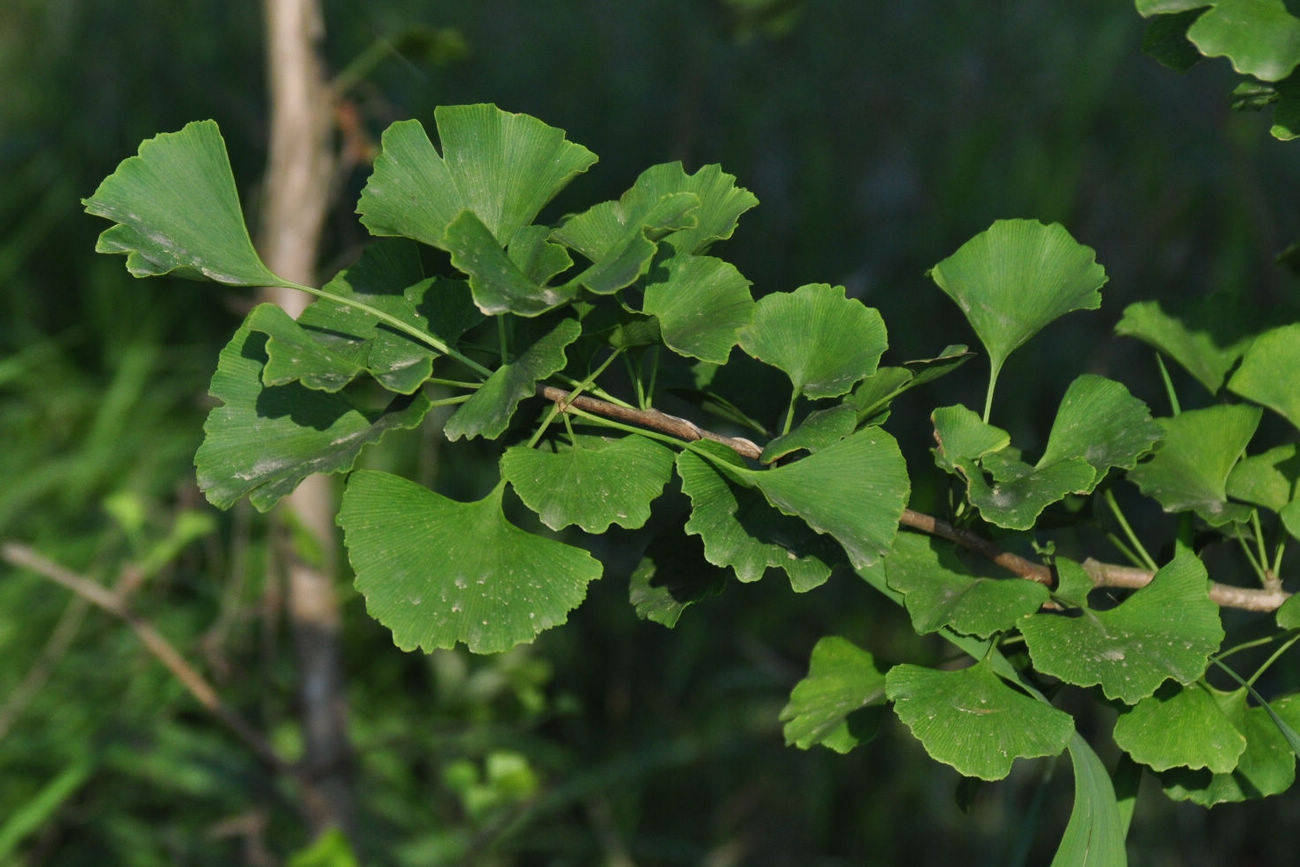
297 192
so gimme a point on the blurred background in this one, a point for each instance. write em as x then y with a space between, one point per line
877 137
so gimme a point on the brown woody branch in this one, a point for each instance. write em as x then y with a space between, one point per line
1102 574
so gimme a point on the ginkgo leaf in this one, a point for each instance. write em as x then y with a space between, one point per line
1288 614
1180 727
972 720
1290 516
1147 8
740 529
499 284
1094 836
854 491
818 430
874 393
1270 479
1205 342
294 354
701 303
1260 37
1099 421
1167 629
1266 767
960 435
593 483
824 341
437 572
262 441
533 253
501 167
721 204
1165 40
177 211
488 412
1017 276
1073 583
1267 374
940 590
1189 470
842 680
672 576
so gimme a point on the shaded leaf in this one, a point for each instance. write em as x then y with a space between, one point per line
262 441
1073 583
1181 727
498 283
824 341
1165 40
701 304
961 435
1270 479
535 256
1288 615
1259 37
1099 421
592 483
488 412
1147 8
672 576
972 720
436 571
177 211
1167 629
501 167
842 679
1267 374
740 529
1018 492
1189 470
818 430
1094 836
1017 276
939 590
1205 342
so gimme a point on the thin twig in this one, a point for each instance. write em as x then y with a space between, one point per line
1102 574
154 642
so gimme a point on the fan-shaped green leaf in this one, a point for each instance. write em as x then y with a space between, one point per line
1099 421
177 211
972 720
436 571
701 303
499 284
1189 470
1268 372
961 436
721 204
262 441
1165 40
1019 493
842 679
874 393
1266 767
818 430
824 341
1259 37
533 254
940 590
740 529
1204 345
1094 836
672 576
502 167
1167 629
592 483
854 491
1180 727
1270 479
1073 583
488 412
1288 614
1017 276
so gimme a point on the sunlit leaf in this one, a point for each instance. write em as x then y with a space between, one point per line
535 256
1267 374
592 483
960 435
1017 276
498 283
1205 342
818 430
1267 767
940 590
1270 479
824 341
842 679
436 571
1167 629
262 441
721 204
1094 836
1288 615
701 303
1099 421
177 211
1147 8
1189 470
1181 727
972 720
1259 37
488 412
501 167
740 529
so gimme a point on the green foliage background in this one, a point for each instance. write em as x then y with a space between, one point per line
877 140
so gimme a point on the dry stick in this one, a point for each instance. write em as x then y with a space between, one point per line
1102 574
154 642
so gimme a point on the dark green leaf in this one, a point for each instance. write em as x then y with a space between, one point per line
1270 479
818 430
842 679
702 304
1207 343
1181 727
1165 40
1094 836
1267 374
498 283
1099 421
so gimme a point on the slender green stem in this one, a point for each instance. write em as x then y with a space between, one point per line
501 338
361 66
1247 645
546 422
568 427
577 390
789 413
635 376
404 327
450 401
1277 557
1147 559
1272 659
455 383
1250 555
1169 385
654 377
1126 550
594 390
1259 538
994 370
